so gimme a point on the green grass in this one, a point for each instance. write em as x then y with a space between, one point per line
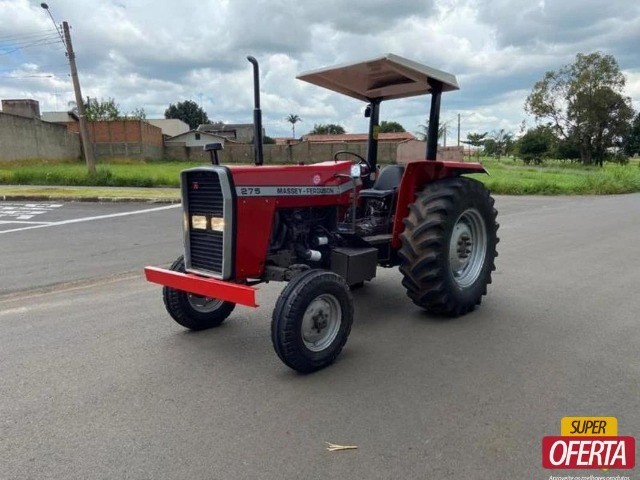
559 178
119 174
507 176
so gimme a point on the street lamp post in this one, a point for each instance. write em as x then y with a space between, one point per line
87 148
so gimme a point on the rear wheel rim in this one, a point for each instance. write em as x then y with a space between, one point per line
203 304
321 322
468 248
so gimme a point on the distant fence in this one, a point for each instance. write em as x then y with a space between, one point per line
124 138
26 138
313 152
127 150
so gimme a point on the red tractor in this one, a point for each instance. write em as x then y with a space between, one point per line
325 227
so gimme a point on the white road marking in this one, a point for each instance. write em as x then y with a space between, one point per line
11 311
26 211
90 219
4 222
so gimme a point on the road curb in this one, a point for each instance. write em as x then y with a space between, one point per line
62 198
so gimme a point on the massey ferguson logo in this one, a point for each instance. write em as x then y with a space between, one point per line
195 185
588 443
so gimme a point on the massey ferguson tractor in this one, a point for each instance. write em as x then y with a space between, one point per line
326 227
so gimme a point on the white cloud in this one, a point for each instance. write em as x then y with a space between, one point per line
633 87
152 56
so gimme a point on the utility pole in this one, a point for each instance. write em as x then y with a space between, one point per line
459 130
87 148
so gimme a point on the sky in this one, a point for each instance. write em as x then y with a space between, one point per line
151 54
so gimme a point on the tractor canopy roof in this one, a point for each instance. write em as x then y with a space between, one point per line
386 77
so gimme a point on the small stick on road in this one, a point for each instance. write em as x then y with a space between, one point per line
336 448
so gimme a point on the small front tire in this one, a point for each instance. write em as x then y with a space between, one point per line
194 311
312 320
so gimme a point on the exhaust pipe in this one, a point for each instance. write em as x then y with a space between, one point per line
258 156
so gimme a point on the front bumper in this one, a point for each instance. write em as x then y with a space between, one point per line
207 287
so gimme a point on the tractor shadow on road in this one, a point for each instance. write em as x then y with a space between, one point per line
384 318
379 302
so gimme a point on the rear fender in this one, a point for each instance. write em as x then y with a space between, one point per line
416 176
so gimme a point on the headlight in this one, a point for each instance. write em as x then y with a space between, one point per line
356 171
203 222
217 224
198 222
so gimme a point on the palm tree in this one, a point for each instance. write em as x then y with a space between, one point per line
503 141
476 140
422 134
293 119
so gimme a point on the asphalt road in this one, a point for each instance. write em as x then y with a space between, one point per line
98 382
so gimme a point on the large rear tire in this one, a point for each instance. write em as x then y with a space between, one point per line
194 311
312 320
449 246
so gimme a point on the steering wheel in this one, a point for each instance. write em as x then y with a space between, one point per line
361 159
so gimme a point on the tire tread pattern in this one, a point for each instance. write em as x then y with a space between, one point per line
287 317
177 304
425 243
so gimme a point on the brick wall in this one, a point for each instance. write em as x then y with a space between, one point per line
283 154
415 150
124 138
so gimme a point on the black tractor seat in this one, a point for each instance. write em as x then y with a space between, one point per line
386 184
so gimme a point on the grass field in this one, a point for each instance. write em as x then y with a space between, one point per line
122 173
508 176
511 177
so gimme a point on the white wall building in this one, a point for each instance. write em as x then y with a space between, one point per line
194 138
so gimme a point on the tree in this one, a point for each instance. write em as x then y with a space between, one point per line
476 140
584 101
100 110
499 143
490 147
537 144
327 129
632 139
189 112
390 127
137 114
423 133
568 148
293 119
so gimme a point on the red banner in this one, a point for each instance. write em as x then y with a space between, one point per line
572 452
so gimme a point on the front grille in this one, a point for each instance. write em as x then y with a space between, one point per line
207 193
206 250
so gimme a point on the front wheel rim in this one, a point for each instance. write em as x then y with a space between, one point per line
321 322
468 248
203 304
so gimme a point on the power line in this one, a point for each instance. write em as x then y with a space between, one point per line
14 45
26 41
50 41
32 41
26 36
